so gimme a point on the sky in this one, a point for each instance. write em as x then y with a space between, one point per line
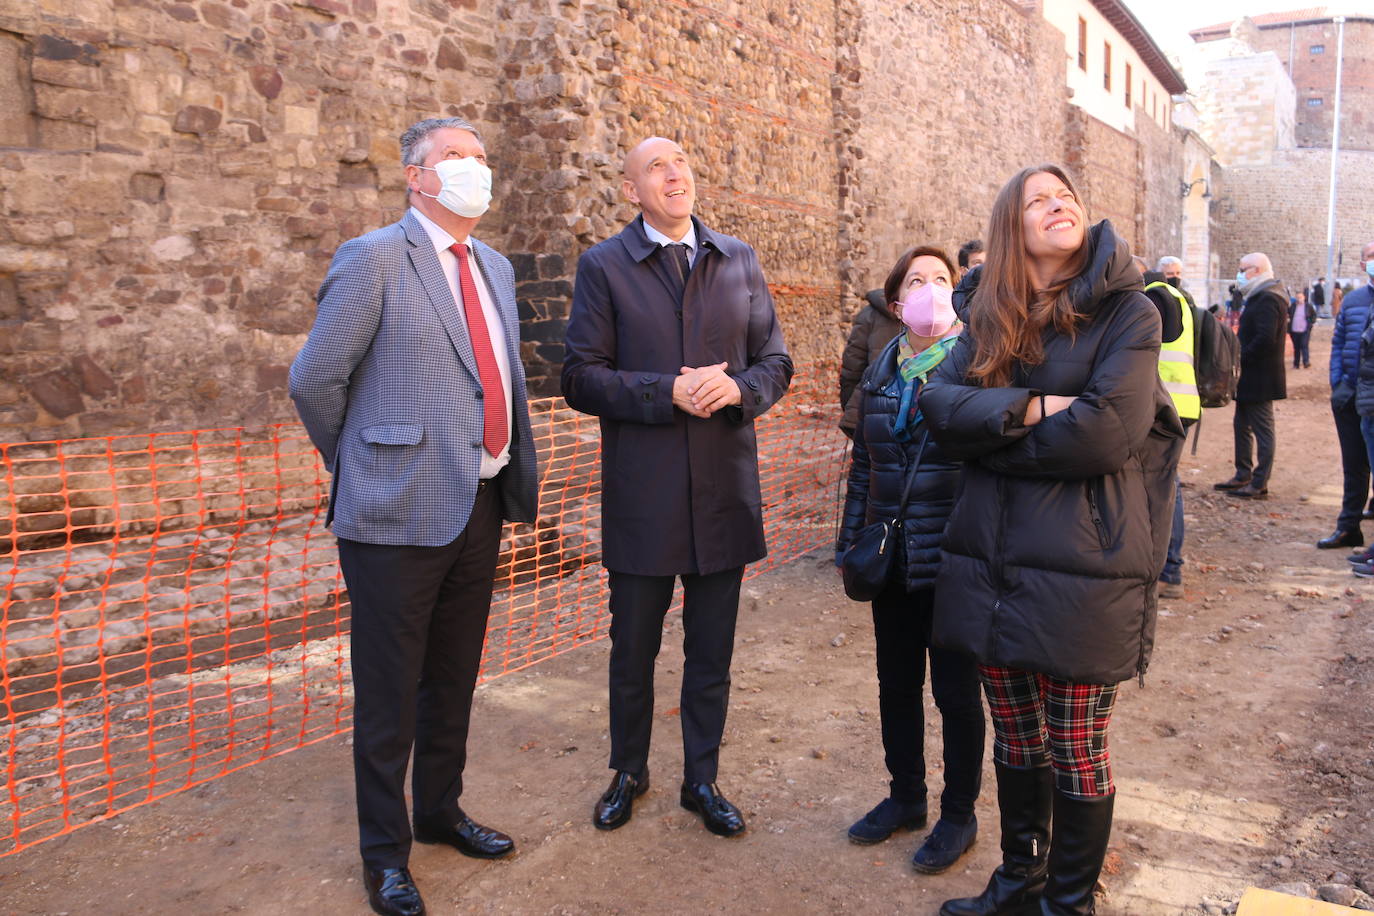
1168 21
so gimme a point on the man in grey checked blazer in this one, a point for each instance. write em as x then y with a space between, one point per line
411 387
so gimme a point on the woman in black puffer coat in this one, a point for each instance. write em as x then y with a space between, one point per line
890 443
1052 399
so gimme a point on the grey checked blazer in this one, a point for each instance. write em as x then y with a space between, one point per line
387 387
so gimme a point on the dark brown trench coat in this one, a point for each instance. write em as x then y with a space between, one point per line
679 494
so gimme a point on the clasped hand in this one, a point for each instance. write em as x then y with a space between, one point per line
702 391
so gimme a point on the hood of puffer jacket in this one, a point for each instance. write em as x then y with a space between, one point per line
963 293
1110 270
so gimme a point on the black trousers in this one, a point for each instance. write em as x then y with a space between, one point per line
1354 465
1254 429
710 604
419 620
1301 354
901 626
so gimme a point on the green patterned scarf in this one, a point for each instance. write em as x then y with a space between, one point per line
913 369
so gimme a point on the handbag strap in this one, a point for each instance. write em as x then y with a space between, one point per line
911 474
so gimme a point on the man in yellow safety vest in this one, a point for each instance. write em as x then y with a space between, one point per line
1180 380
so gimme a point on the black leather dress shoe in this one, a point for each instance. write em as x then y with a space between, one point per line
617 802
467 836
1249 491
1235 483
719 816
391 892
1339 538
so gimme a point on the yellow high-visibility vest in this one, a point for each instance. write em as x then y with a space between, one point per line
1176 362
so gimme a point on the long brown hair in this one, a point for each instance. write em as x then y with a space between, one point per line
1008 315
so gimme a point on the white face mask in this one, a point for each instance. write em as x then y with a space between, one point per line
466 186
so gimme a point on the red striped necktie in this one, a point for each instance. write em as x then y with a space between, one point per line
495 431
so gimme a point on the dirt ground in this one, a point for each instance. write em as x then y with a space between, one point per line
1245 759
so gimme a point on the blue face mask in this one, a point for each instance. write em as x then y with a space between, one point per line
1369 269
1240 278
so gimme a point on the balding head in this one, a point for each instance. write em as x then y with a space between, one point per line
659 179
1257 260
643 151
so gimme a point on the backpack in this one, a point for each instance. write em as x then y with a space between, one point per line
1216 359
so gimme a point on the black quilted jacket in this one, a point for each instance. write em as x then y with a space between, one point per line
878 474
1051 555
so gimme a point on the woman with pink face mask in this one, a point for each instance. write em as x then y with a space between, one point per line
893 455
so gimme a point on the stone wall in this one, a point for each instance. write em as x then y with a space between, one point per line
1245 106
928 147
1280 209
176 176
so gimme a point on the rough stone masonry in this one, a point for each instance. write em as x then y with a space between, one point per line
175 174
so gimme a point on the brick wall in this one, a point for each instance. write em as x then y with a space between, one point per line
176 176
1314 77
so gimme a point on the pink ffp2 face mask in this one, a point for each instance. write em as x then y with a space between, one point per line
928 310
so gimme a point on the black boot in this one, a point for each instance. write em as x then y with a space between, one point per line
1082 827
1023 799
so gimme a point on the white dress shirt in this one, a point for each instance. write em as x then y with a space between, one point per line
495 329
690 240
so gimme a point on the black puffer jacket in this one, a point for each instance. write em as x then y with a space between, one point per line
874 327
878 473
1060 530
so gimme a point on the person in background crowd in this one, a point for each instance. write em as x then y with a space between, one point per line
892 452
1171 268
1262 378
971 255
1179 376
1362 299
1052 400
1355 451
411 386
1301 316
1318 296
873 329
673 342
1337 297
1233 306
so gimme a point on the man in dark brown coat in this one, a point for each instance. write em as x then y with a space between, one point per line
873 329
1263 378
674 344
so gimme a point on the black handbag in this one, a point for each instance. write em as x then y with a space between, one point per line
866 565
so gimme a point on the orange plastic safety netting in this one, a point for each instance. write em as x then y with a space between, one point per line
173 609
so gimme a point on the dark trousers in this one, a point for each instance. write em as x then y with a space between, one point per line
710 604
1254 428
901 627
1301 357
1173 559
1354 465
419 620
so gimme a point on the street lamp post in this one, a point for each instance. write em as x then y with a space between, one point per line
1335 161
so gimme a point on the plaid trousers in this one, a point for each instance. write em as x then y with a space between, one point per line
1035 716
